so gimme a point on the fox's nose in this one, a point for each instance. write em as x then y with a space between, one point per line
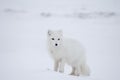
56 44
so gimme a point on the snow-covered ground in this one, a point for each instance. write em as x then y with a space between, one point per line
23 33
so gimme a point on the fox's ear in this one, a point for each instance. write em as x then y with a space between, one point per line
49 32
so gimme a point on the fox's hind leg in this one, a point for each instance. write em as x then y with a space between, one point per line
77 70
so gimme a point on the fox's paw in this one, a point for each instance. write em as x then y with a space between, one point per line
61 71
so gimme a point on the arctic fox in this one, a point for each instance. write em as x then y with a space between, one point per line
67 51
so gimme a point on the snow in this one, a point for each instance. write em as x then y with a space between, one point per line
23 33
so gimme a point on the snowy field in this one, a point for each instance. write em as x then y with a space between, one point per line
23 34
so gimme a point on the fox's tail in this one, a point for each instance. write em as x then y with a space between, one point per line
85 70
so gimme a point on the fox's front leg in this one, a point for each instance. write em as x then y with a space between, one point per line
56 65
73 71
62 64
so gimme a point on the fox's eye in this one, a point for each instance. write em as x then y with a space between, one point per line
52 38
58 38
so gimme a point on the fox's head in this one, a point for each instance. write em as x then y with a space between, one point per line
55 38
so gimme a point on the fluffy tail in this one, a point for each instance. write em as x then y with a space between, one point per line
85 70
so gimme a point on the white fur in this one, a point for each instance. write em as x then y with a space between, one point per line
67 51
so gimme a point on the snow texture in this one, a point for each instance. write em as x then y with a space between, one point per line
23 34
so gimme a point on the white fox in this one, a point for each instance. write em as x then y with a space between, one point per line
68 51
